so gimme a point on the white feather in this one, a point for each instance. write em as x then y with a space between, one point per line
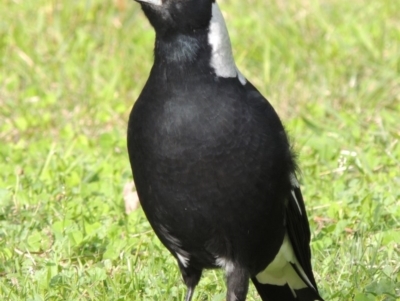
281 272
184 260
295 184
225 264
154 2
175 244
293 180
297 202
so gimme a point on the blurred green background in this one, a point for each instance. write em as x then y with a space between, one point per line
69 74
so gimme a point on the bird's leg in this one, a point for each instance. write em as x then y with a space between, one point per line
189 293
238 284
191 277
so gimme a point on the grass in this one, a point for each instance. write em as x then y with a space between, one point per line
69 74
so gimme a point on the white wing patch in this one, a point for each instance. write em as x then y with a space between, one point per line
221 58
281 272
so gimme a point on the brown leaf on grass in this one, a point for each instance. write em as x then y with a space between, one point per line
349 230
121 4
131 198
322 222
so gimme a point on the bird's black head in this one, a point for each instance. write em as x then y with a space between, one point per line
177 16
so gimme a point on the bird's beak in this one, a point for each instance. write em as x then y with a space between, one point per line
154 2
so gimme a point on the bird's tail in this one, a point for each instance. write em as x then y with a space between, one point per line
270 292
284 279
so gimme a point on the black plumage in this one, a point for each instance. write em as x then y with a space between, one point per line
212 163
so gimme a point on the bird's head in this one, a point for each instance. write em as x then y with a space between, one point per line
191 31
177 16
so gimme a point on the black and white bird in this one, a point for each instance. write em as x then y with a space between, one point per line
212 163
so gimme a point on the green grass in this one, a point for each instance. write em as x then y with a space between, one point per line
69 74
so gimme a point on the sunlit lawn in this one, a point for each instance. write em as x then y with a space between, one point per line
69 74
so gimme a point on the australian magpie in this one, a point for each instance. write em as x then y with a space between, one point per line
212 163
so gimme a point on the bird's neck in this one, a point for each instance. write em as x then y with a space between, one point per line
180 49
208 49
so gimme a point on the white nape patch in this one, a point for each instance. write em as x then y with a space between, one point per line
221 58
281 272
293 180
225 264
184 260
